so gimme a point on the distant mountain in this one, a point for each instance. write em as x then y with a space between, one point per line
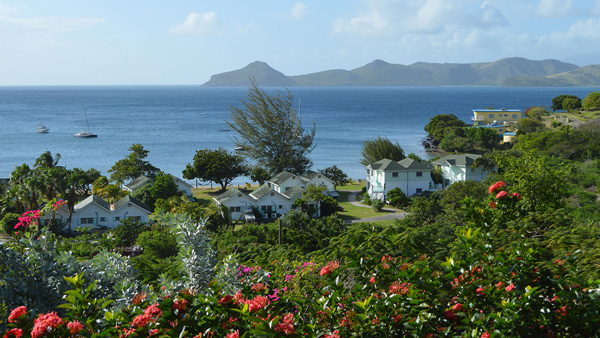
262 72
505 72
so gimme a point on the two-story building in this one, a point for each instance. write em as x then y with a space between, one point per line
495 116
460 168
411 176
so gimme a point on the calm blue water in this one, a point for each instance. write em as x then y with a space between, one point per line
172 122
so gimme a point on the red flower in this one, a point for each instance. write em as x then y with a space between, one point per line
227 299
257 303
485 335
493 205
74 327
17 333
372 280
335 334
450 315
180 304
510 287
153 310
235 334
457 307
499 285
16 313
496 187
45 323
286 324
141 320
480 291
516 194
501 194
259 287
326 270
399 289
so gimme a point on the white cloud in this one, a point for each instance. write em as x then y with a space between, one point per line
299 10
596 7
198 23
555 8
365 24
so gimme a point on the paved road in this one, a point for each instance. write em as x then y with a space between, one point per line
390 213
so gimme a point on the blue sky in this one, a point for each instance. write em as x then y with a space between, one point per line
74 42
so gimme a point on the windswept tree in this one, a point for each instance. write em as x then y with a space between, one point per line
441 125
133 166
378 148
270 131
336 175
591 101
218 166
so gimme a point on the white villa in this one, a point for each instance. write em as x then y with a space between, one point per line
412 177
141 181
460 168
274 198
99 213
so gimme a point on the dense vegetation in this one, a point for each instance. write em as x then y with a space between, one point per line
516 255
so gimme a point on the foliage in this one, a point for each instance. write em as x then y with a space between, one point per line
558 102
259 175
9 221
218 166
591 101
158 243
132 166
567 143
377 205
536 113
128 231
336 175
271 133
528 125
468 140
398 198
442 124
379 148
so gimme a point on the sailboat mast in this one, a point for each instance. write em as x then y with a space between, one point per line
85 116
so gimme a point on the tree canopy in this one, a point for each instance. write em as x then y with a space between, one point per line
378 148
591 101
336 175
133 166
558 102
218 166
270 131
441 124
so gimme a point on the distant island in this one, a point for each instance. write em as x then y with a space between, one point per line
516 71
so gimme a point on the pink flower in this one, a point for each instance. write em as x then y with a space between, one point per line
501 194
74 327
496 187
17 333
16 313
235 334
510 287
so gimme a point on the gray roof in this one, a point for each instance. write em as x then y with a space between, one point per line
137 183
261 191
464 160
128 199
309 175
406 164
93 199
386 164
281 177
177 179
227 195
293 191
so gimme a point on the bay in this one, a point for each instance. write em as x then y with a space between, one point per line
172 122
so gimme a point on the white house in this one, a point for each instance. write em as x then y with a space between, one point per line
274 198
97 212
412 177
141 181
460 168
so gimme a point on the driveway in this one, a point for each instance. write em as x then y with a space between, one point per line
391 213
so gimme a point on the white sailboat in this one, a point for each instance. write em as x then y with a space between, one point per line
42 129
86 133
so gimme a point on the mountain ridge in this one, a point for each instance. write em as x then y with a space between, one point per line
514 71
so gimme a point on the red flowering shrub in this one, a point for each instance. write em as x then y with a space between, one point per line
74 327
496 187
16 313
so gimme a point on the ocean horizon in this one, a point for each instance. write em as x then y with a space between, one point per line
172 122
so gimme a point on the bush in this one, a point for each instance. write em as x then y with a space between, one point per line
128 231
377 205
9 221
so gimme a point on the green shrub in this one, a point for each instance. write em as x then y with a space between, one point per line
9 221
377 205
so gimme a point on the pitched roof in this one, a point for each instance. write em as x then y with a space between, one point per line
177 179
93 199
293 191
128 199
463 160
309 175
227 195
386 164
138 182
281 177
410 164
261 191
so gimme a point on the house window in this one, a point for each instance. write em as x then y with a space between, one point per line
514 116
102 219
235 209
368 172
266 208
272 194
394 174
135 218
117 218
491 116
280 206
286 189
419 190
419 173
88 220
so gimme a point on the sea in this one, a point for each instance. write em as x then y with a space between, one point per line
173 122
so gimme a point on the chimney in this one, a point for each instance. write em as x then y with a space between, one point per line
112 206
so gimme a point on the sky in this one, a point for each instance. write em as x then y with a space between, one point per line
151 42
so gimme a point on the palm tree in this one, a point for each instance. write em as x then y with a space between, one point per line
18 192
486 163
75 181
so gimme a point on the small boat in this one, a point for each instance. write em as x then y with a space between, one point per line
223 130
86 133
238 148
42 129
